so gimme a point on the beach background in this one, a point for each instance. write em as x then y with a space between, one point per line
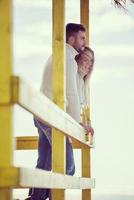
112 89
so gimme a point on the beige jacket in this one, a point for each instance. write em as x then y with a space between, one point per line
72 84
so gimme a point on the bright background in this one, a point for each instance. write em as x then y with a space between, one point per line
112 88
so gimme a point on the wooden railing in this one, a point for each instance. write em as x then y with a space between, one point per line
14 90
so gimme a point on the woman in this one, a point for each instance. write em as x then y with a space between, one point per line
85 62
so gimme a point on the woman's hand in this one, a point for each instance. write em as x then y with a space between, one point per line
88 129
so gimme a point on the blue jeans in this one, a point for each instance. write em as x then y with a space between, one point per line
44 158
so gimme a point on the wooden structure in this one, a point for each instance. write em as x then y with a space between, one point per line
15 90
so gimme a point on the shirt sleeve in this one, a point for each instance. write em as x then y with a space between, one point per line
73 104
46 84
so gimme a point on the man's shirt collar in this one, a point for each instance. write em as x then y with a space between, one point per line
73 51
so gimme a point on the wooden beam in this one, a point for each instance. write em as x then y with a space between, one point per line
9 177
32 100
26 142
84 16
37 178
58 72
58 89
5 88
30 142
6 147
86 171
86 160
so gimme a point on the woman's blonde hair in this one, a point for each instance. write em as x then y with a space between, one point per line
87 77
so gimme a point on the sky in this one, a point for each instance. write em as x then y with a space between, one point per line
112 86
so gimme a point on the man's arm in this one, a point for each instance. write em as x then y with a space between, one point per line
46 84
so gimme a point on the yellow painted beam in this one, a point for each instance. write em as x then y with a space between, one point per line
5 91
58 152
86 165
84 16
58 53
26 142
5 87
86 171
15 89
5 51
31 142
9 177
58 88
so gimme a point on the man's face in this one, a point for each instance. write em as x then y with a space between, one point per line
80 40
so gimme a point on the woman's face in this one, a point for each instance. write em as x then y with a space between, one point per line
84 65
88 54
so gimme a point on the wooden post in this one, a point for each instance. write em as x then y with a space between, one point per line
6 150
58 139
86 165
86 171
84 16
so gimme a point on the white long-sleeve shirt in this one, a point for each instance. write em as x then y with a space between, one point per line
72 95
81 89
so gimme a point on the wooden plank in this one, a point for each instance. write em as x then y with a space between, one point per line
86 171
84 16
5 91
58 152
32 100
36 177
27 142
9 177
86 165
26 177
30 142
58 74
58 89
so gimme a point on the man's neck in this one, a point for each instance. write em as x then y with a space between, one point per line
72 49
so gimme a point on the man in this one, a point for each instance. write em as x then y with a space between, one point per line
76 41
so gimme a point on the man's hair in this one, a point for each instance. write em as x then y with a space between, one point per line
72 29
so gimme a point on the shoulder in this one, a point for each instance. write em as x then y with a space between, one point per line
48 65
49 62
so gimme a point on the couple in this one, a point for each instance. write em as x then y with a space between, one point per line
79 65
